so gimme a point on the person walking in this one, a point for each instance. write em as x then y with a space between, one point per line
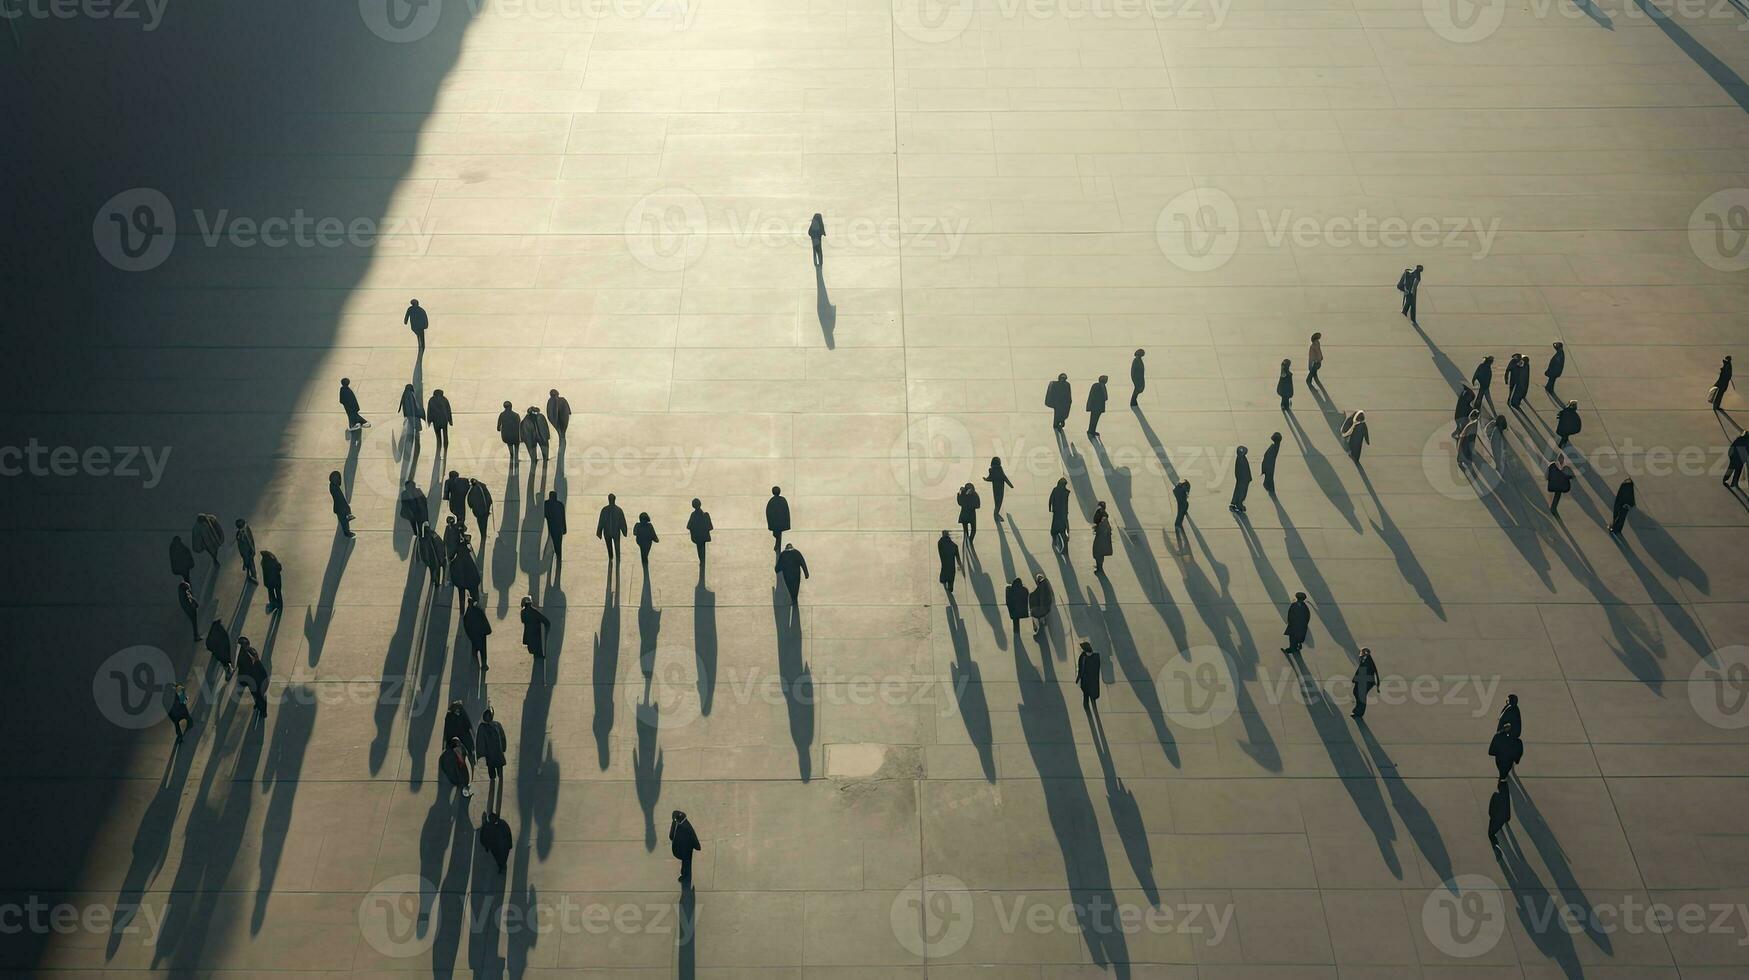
477 626
458 727
190 607
1510 715
950 561
817 237
495 839
969 503
1039 602
1059 504
208 537
1180 501
1241 481
1267 469
534 628
433 555
181 559
1138 377
558 412
1409 283
1299 624
1096 399
271 580
698 528
1497 442
492 745
792 567
1016 598
1087 677
610 526
1059 399
178 712
777 517
536 433
1624 502
1517 380
1716 396
553 513
510 433
412 414
480 503
342 508
1355 434
440 417
414 319
415 509
1483 379
464 574
1507 748
1467 436
1567 423
644 533
455 494
1557 367
999 485
1366 677
1466 403
682 842
1101 538
1560 480
456 768
253 673
1736 458
218 644
1284 385
1499 813
349 401
1314 360
245 539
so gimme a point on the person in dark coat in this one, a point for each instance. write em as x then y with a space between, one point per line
464 574
416 321
1497 441
178 712
218 643
1096 399
536 433
1284 385
1483 380
480 502
1366 677
458 727
342 508
433 555
534 628
553 512
682 841
456 768
1241 481
1517 380
1016 598
644 533
950 561
1557 367
817 236
271 580
1736 459
1560 481
610 526
1499 813
455 494
495 839
181 559
793 568
1059 504
1299 624
1567 423
1466 403
1059 399
1510 715
1087 676
699 528
190 607
777 517
415 509
1138 377
1467 436
478 627
246 548
969 503
440 416
1409 283
492 745
1040 601
1507 749
559 412
1101 538
253 673
1181 505
999 485
510 433
1268 466
1314 360
1355 435
208 537
412 413
1624 502
452 536
1717 396
349 401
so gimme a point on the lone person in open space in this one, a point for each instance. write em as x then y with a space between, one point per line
553 513
1557 367
1181 503
1736 458
1059 399
792 567
610 526
950 561
969 503
1299 624
1096 399
682 841
1717 396
777 517
349 401
1314 360
699 528
1087 677
644 533
817 235
1284 385
1366 677
1267 469
534 628
1410 285
1138 377
416 321
1560 480
1241 481
1355 435
1101 538
272 580
1568 423
342 508
1059 504
1624 503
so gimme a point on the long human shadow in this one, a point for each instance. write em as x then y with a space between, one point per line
824 310
704 644
398 673
1401 552
605 674
1323 474
1125 656
1349 766
1220 614
1126 816
320 615
538 774
530 556
1717 70
294 721
1454 376
485 910
1119 480
1044 721
152 837
1075 468
1306 570
1416 820
985 592
647 766
1596 13
1542 837
686 939
969 694
446 859
796 678
1053 637
649 632
503 564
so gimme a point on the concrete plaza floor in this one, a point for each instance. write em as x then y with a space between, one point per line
612 199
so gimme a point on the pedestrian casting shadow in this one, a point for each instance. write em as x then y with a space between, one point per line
1324 474
969 694
399 677
1407 563
647 766
1126 816
538 774
1735 88
1306 569
1350 768
704 644
1053 637
824 310
294 721
1539 904
796 678
605 674
504 548
649 634
446 857
1125 657
1220 614
152 837
985 592
1420 824
318 616
1075 468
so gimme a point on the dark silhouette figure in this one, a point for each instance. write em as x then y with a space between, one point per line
1101 538
1241 481
950 561
1624 502
495 839
1284 385
1467 435
1314 360
181 560
464 574
682 842
412 414
534 628
610 526
1016 599
510 432
1059 504
536 433
644 533
698 528
1138 377
1366 677
480 503
252 673
458 727
492 744
1517 380
1409 284
456 768
478 626
1181 503
208 537
1483 380
416 321
1510 715
245 538
455 494
558 412
440 416
1560 481
1717 395
817 235
1466 403
342 508
1499 813
1567 423
1096 399
553 513
1087 676
433 555
999 485
793 568
1736 458
777 517
1299 624
1507 749
349 401
1557 367
1268 466
178 712
415 509
1059 399
1355 434
969 503
1040 602
218 643
272 580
